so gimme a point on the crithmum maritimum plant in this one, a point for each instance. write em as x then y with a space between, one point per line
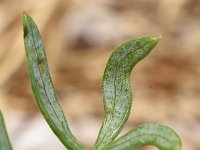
117 98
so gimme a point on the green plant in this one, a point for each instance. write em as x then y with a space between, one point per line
4 140
117 97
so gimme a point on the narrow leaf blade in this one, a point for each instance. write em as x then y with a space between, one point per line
117 96
42 85
157 135
4 139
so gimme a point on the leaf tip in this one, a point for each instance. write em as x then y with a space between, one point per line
153 41
24 13
156 38
25 16
25 22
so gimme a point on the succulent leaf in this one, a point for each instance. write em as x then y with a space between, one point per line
157 135
42 85
117 96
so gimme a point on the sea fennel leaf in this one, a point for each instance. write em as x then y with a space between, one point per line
117 96
42 85
4 139
157 135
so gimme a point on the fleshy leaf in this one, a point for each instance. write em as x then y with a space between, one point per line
117 96
42 85
157 135
4 139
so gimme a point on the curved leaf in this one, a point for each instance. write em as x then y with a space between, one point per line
4 139
117 96
157 135
43 87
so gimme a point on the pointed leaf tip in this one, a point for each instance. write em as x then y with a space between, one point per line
24 14
25 17
156 38
26 24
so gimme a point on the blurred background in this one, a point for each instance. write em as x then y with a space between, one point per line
79 36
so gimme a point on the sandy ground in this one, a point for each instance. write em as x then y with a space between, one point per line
79 36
